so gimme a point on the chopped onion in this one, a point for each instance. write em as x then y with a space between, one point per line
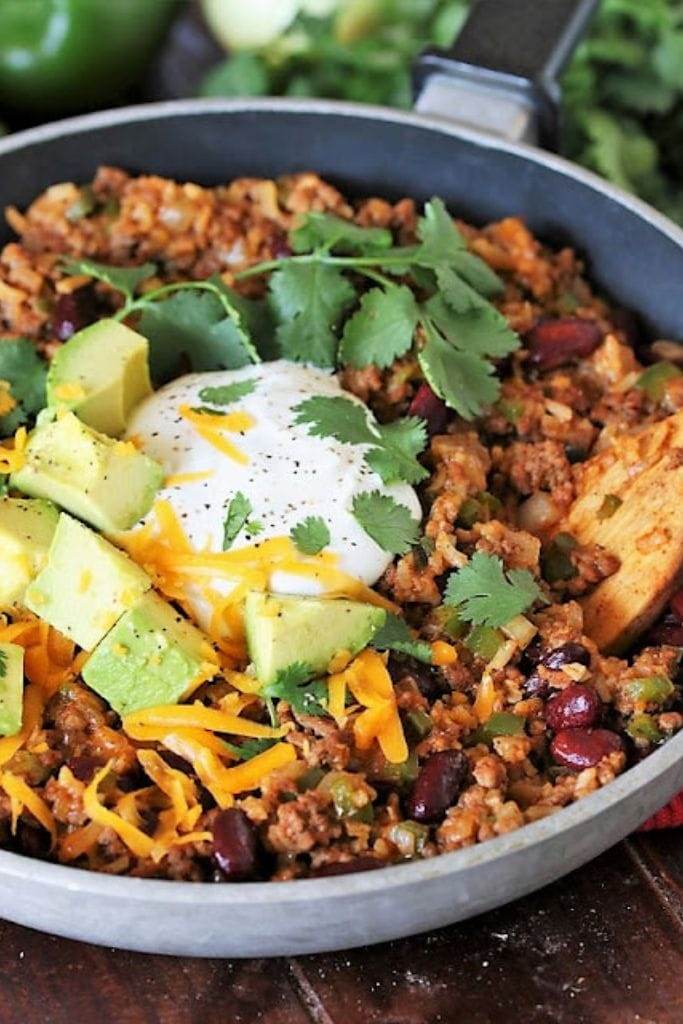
503 655
537 513
520 630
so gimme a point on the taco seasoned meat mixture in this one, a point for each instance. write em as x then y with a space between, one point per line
333 533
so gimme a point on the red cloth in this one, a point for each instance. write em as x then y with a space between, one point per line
669 817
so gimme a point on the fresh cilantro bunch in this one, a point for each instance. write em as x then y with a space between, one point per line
326 317
623 99
487 595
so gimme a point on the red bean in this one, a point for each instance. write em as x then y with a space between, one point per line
575 707
584 748
347 867
567 654
536 686
438 785
429 407
235 845
73 312
554 342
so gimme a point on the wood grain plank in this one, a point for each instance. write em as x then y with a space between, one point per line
659 856
595 948
46 980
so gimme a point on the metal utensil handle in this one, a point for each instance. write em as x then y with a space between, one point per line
502 72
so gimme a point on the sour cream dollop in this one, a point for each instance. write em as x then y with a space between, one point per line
285 474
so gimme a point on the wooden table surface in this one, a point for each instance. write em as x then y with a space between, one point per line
603 946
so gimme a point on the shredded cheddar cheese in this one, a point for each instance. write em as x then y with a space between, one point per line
210 428
370 683
197 716
22 796
136 840
161 547
181 479
7 401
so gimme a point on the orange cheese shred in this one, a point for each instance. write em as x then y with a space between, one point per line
136 840
79 842
22 796
200 717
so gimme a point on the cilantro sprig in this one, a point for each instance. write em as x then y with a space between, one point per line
311 535
394 635
324 318
394 447
386 521
25 372
487 595
294 685
236 518
200 323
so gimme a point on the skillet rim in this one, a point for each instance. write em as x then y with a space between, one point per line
634 781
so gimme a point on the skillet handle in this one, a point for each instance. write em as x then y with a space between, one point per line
501 73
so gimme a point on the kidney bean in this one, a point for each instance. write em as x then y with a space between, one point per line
428 679
437 785
584 748
575 707
567 654
554 342
347 867
235 845
73 312
430 407
536 686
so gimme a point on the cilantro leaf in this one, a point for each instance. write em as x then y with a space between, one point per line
443 248
311 535
486 595
325 231
236 518
25 372
253 527
484 330
459 295
402 442
122 279
395 635
226 394
394 445
3 664
382 329
464 380
387 522
309 300
248 748
440 238
191 330
292 684
340 418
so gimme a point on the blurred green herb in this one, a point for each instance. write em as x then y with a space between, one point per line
623 91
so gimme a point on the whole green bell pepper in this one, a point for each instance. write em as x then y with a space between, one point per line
59 56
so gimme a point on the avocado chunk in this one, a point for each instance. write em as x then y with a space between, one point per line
101 373
27 526
86 585
283 630
11 688
109 484
152 656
